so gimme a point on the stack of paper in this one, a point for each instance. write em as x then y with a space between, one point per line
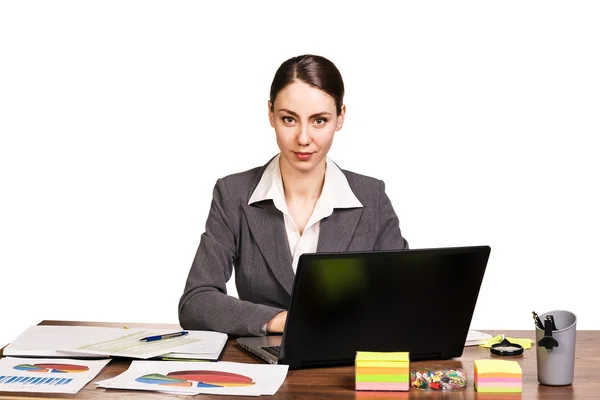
188 377
92 341
498 376
475 337
47 375
382 371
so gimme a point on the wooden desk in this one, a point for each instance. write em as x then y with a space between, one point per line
338 382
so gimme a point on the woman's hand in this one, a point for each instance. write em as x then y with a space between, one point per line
277 324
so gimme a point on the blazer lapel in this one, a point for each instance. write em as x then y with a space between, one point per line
337 230
268 229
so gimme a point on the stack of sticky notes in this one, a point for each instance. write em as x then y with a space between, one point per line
498 376
382 371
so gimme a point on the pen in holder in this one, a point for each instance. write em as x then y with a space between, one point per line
555 351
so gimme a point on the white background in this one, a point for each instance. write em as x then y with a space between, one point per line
117 117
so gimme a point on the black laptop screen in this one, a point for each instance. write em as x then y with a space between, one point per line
420 301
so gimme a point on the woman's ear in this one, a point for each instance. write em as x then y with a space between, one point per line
271 116
341 118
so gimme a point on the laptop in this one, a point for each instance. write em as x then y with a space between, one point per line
420 301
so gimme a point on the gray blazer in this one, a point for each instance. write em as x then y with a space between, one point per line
253 239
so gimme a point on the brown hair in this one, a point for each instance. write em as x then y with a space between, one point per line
313 70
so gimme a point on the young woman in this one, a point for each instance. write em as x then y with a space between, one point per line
261 220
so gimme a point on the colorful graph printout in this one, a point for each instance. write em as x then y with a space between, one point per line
53 368
47 375
197 378
190 377
6 380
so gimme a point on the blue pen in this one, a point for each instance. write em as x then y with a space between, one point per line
161 337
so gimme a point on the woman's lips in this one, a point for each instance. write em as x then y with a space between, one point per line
303 156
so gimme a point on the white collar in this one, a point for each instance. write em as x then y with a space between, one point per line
336 191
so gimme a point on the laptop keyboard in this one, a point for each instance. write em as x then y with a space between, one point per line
271 349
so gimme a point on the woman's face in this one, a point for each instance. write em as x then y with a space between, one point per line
305 120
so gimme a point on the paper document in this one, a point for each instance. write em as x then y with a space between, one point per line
47 375
475 337
209 346
90 341
224 378
128 344
45 340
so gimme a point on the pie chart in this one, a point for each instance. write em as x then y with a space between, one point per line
199 378
54 368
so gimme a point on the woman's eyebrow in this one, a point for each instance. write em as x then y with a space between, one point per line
296 115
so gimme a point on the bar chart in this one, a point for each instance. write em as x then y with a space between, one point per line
33 380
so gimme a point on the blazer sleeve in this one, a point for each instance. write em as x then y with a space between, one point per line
205 304
389 236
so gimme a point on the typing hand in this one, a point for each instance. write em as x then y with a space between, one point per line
277 323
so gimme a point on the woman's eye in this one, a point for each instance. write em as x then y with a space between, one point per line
288 120
320 121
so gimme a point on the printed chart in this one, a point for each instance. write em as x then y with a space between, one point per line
54 368
47 375
198 378
23 380
189 377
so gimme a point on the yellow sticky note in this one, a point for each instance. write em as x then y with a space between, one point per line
483 367
525 343
398 356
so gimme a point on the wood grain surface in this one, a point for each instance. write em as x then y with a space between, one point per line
338 382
